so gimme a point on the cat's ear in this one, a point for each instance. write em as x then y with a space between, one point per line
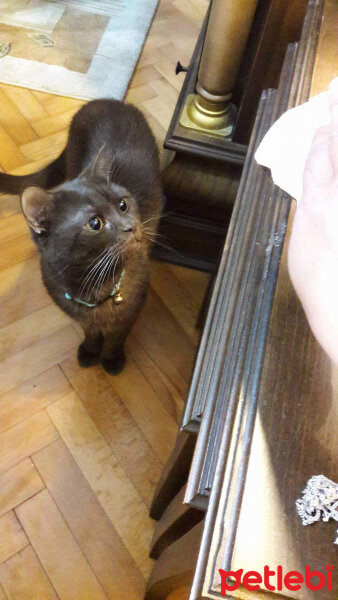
98 166
36 204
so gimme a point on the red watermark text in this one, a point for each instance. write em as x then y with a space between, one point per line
276 580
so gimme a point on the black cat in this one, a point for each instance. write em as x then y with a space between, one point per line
93 213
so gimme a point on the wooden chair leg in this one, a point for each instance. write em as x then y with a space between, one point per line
177 519
175 567
181 593
174 475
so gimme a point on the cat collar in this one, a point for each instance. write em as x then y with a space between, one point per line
115 294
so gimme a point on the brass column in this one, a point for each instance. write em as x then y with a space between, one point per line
226 36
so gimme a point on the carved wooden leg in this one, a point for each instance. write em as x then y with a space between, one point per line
174 475
176 565
177 519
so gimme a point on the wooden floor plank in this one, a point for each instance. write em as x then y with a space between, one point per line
53 124
26 103
10 154
32 396
31 329
15 226
23 577
14 124
9 206
12 536
158 319
21 291
39 357
174 295
168 394
93 530
57 105
16 251
18 484
113 488
117 426
59 553
25 439
157 425
45 148
100 477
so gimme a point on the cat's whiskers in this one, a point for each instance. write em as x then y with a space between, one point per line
152 237
99 274
101 278
96 274
100 259
157 217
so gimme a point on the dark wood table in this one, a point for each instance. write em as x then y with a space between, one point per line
264 397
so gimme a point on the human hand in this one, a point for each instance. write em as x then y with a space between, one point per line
313 247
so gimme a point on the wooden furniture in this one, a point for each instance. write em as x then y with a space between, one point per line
201 182
263 397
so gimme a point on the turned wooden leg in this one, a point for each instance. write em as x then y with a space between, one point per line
174 475
177 519
175 567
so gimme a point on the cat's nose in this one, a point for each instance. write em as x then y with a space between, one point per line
135 231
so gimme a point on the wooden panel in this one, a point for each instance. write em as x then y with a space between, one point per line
97 537
23 577
24 439
18 484
12 536
57 549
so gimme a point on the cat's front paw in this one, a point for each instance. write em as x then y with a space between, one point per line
85 358
115 365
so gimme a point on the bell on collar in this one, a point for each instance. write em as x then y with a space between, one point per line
118 298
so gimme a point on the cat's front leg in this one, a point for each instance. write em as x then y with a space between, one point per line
89 352
113 357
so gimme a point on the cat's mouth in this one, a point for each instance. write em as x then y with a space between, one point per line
134 233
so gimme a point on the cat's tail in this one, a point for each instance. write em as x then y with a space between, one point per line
48 177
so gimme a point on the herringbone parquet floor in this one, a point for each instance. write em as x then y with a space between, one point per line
81 452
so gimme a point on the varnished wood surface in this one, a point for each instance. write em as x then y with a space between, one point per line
285 430
81 452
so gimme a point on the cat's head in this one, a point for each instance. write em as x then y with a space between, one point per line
85 229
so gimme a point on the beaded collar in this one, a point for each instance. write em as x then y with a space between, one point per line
115 294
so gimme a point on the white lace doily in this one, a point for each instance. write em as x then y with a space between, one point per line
319 501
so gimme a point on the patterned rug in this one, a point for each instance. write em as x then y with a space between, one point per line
80 48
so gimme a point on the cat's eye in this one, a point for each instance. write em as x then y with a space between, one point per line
123 205
94 224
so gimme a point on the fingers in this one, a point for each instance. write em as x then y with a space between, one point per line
333 101
318 167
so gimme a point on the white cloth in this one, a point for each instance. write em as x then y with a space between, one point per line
285 147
